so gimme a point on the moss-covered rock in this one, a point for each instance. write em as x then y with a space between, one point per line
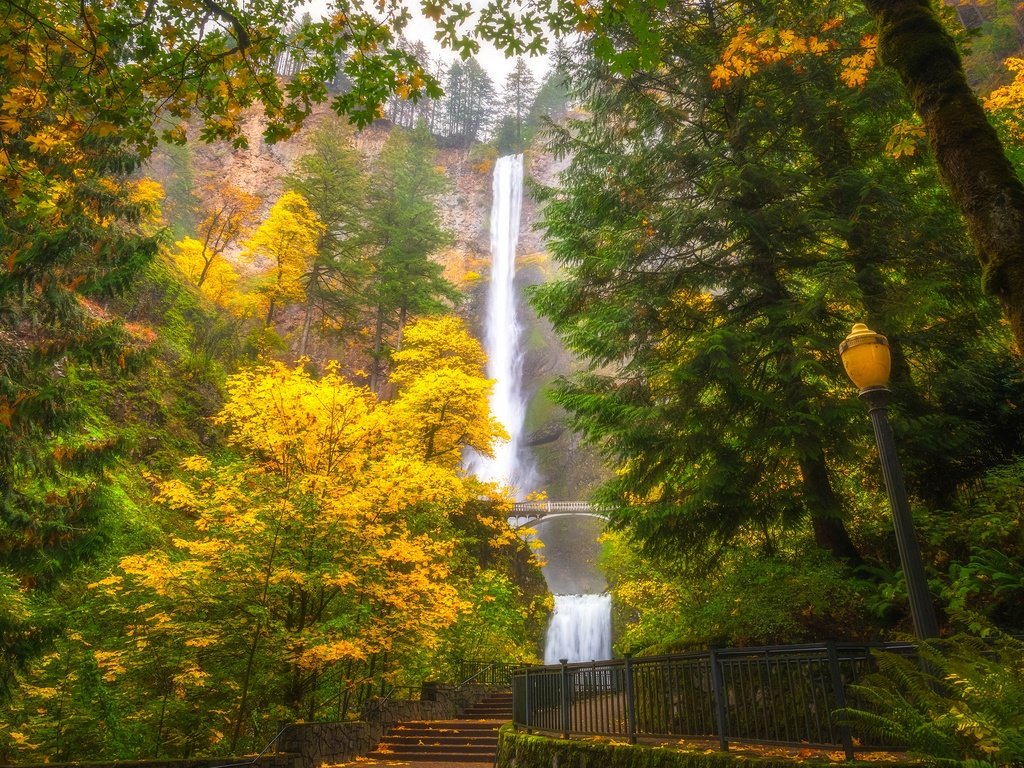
520 750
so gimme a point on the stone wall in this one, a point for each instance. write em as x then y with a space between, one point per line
319 743
520 750
278 760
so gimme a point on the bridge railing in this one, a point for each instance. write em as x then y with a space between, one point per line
549 507
781 695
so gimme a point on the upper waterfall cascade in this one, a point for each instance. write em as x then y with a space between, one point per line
502 336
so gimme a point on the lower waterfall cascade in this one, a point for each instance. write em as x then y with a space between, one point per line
580 629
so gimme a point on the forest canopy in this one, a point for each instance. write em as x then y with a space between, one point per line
126 76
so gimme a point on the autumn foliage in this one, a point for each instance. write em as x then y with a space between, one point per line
327 539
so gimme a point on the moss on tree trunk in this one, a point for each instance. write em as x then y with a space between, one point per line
972 163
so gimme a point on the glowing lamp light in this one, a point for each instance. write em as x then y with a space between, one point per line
866 359
865 356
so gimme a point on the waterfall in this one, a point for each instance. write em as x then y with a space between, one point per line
502 334
580 629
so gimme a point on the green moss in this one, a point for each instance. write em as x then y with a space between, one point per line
520 750
540 409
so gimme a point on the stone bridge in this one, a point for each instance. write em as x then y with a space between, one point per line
526 513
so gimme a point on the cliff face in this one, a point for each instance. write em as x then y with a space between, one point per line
261 168
568 470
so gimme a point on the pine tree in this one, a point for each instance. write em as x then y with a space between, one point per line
64 256
518 98
713 258
468 101
405 231
332 180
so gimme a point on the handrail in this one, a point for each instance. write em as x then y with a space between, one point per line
391 692
473 677
260 755
555 506
503 668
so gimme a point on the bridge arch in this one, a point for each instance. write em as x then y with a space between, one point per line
526 513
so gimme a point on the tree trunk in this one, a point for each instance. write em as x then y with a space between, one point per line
826 509
403 318
246 679
207 263
378 344
306 323
972 163
824 506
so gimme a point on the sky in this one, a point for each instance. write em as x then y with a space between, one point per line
421 29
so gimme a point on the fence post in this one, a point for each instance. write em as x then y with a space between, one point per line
630 699
565 697
526 699
718 688
840 694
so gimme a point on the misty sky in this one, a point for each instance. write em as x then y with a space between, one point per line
422 29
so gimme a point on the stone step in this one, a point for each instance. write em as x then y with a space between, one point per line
394 741
449 726
471 739
435 749
451 757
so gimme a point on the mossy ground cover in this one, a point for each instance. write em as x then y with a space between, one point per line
521 750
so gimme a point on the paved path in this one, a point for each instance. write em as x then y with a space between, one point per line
407 764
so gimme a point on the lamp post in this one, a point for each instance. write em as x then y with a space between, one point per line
866 359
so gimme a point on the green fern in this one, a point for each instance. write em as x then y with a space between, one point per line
959 702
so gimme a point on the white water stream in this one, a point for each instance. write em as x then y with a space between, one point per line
502 335
580 628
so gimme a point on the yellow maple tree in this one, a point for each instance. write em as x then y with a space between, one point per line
442 402
324 545
216 278
227 214
1006 103
286 242
752 49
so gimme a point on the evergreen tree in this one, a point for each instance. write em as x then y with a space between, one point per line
332 180
404 228
716 245
517 99
468 102
402 109
74 230
552 99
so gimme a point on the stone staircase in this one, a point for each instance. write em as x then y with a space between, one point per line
473 738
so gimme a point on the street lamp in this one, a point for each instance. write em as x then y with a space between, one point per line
866 359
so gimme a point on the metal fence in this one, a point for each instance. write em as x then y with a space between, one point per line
490 673
774 695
